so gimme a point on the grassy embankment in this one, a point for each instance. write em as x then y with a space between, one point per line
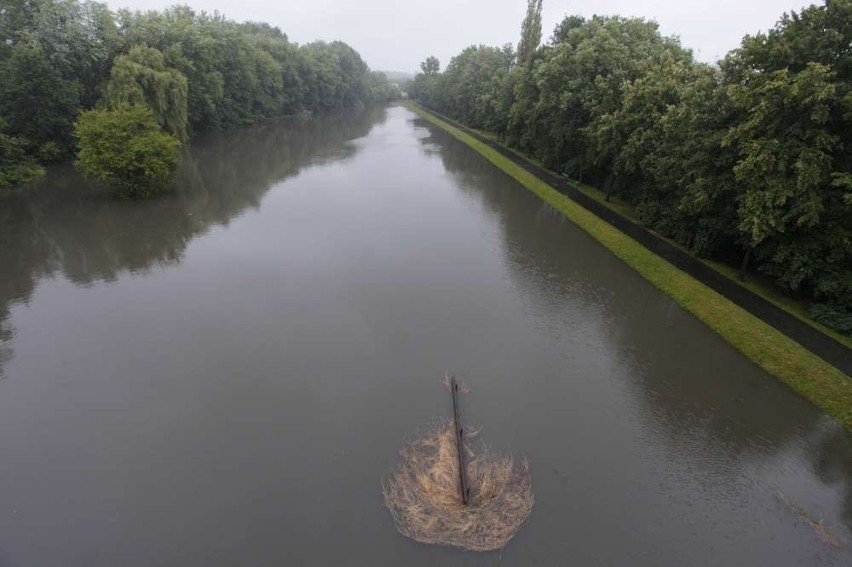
821 383
755 283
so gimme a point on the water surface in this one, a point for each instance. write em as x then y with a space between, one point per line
223 375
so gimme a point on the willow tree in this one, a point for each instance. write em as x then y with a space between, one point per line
141 77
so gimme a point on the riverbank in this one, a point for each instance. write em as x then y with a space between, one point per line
754 283
818 381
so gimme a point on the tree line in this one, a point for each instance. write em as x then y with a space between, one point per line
178 70
748 161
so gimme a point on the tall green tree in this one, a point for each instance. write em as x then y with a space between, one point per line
530 33
54 54
38 101
784 149
430 66
792 88
423 88
472 83
750 161
195 71
691 190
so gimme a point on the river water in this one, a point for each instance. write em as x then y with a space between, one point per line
224 375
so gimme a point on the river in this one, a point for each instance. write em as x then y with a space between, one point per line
223 375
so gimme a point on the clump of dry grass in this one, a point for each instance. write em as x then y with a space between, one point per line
464 387
423 494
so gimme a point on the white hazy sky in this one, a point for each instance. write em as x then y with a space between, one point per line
395 35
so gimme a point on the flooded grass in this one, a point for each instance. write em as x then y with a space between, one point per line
812 377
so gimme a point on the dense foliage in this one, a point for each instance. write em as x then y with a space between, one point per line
749 161
381 89
126 149
15 165
141 77
196 71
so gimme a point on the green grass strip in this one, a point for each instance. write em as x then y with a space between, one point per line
821 383
760 286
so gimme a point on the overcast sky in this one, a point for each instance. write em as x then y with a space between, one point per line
395 35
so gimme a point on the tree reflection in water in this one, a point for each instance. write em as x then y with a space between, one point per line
710 403
68 226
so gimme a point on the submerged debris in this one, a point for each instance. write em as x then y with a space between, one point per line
423 494
819 527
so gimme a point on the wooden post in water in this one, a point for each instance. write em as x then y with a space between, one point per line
465 489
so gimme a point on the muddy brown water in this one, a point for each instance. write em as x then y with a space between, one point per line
223 375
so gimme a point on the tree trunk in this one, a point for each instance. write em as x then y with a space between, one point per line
609 183
744 265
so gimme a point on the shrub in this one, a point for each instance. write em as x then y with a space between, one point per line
15 165
833 317
125 149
